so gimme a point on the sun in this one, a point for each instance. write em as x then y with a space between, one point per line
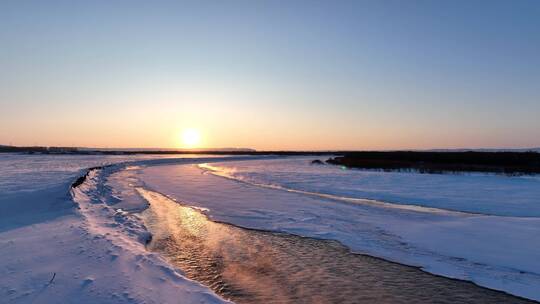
191 138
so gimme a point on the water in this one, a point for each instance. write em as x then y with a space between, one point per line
251 266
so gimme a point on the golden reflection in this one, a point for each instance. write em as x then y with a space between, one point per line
250 266
193 221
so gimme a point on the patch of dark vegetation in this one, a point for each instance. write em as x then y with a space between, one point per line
82 179
509 163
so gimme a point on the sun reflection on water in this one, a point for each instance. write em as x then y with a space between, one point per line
249 266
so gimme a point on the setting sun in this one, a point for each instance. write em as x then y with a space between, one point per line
191 138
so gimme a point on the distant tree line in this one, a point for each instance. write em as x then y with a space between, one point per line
37 149
510 163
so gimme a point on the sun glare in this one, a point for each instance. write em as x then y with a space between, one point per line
191 138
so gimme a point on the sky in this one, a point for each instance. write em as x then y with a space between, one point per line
271 75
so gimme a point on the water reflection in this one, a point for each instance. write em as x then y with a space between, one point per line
248 266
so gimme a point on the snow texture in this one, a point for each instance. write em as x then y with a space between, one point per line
86 245
71 246
500 252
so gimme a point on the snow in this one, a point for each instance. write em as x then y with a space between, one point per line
499 252
476 193
22 173
92 238
89 267
59 246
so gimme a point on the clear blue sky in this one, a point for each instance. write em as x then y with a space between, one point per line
271 74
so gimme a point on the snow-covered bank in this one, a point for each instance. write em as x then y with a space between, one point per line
89 268
493 251
53 252
253 266
98 254
470 192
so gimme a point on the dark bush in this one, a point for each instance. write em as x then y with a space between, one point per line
510 163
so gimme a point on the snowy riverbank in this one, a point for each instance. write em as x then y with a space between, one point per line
499 252
87 245
53 252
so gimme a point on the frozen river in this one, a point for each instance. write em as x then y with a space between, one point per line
479 228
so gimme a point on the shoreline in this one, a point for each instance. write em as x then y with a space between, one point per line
150 196
308 237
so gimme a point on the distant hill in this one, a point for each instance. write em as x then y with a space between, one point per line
38 149
21 149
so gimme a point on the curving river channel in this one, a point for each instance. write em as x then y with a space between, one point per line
251 266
